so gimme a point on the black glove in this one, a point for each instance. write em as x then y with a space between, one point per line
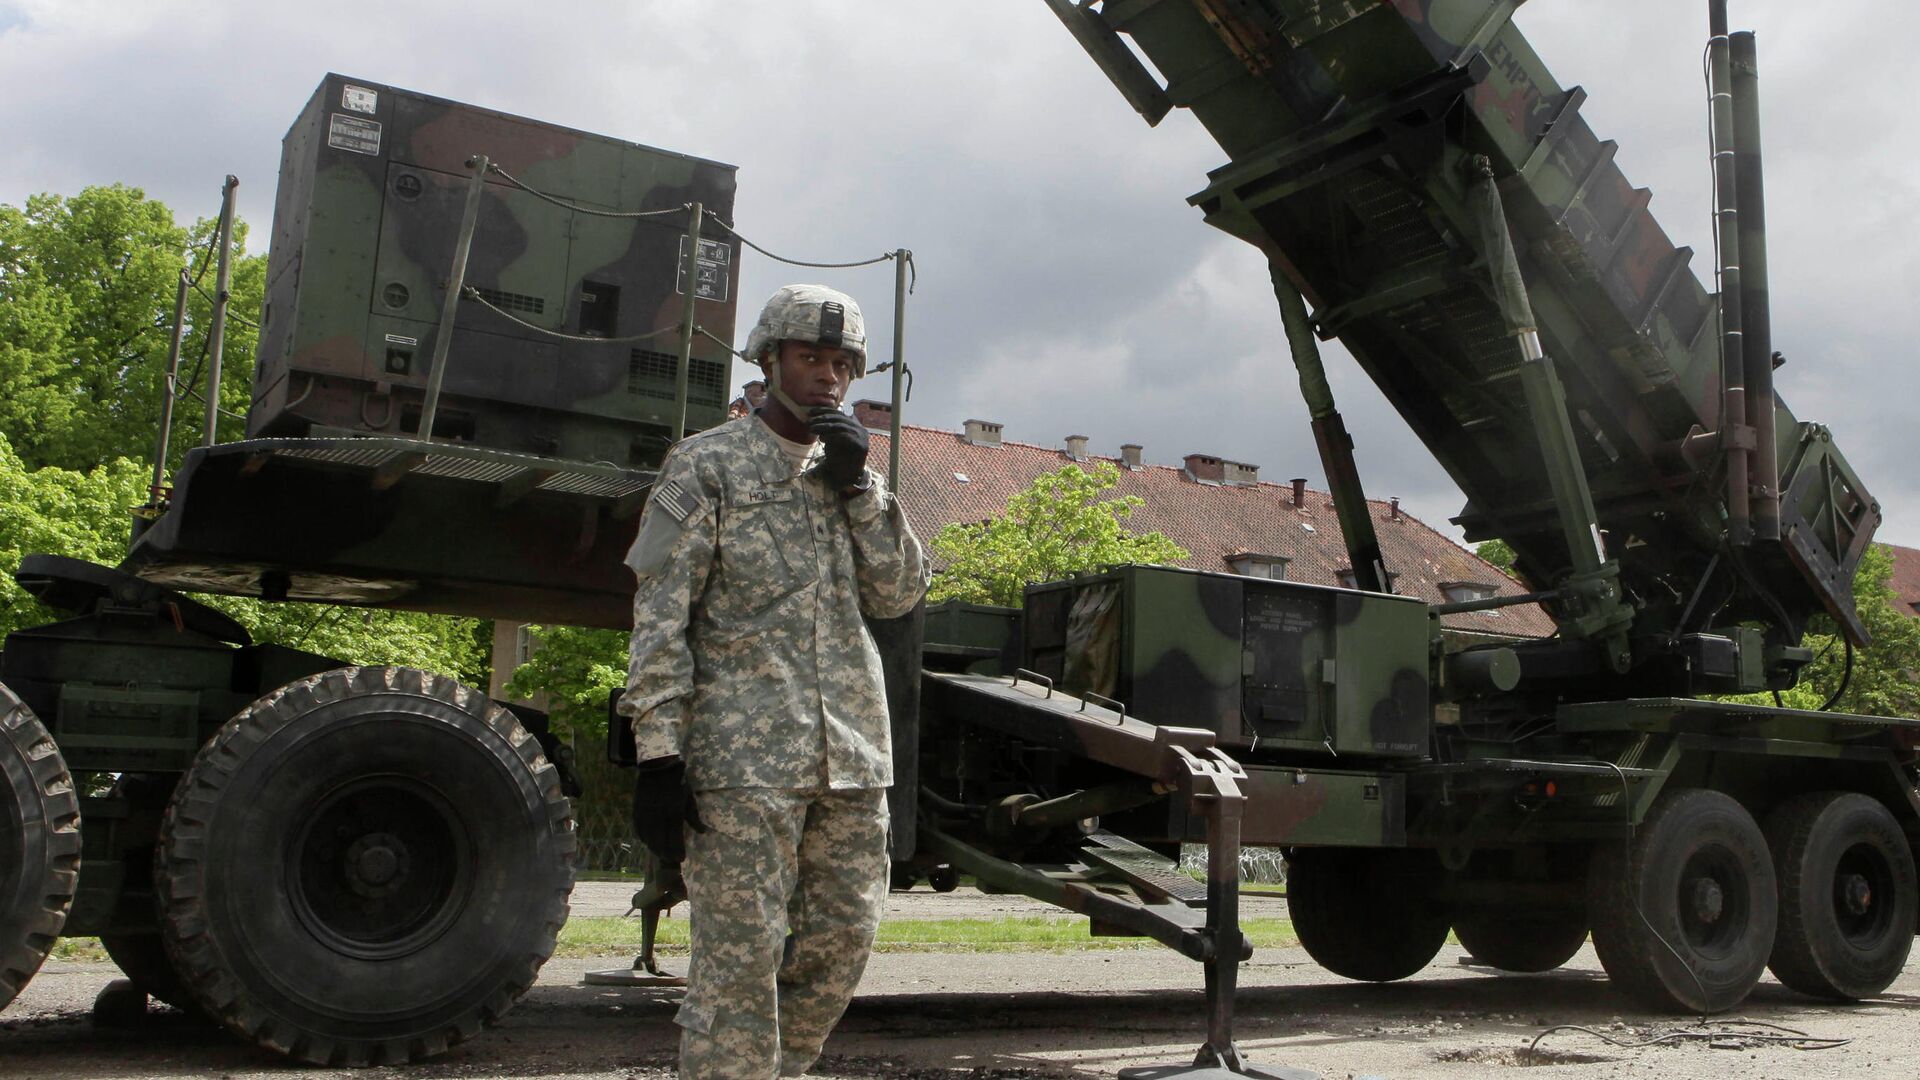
844 465
663 809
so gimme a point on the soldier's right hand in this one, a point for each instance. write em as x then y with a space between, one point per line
663 808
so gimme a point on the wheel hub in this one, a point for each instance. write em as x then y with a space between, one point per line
376 864
1709 900
1856 892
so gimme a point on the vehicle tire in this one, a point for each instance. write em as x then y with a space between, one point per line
1366 914
1847 895
140 954
39 844
365 867
1684 913
943 879
1522 941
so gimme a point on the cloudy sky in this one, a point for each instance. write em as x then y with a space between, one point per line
1065 287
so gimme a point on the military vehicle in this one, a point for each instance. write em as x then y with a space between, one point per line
1415 174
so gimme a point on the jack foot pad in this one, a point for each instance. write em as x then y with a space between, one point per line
631 977
1216 1072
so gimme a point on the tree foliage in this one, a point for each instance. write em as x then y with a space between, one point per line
575 668
1885 680
1497 552
1058 526
87 288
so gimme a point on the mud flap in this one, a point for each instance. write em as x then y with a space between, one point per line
899 643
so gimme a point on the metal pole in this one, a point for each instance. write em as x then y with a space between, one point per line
450 303
168 390
1756 347
901 258
691 270
1335 444
223 277
1736 437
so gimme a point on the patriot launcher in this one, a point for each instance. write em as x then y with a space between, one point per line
1414 173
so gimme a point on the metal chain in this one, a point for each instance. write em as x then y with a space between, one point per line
472 293
570 205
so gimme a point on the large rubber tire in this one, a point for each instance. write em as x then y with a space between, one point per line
143 959
39 844
365 867
1366 914
1525 941
1847 895
139 953
1683 915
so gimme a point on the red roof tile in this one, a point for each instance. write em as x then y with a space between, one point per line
947 479
1906 579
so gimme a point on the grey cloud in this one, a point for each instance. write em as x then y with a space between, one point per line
1064 284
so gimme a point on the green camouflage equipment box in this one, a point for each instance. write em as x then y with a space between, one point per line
1260 663
373 180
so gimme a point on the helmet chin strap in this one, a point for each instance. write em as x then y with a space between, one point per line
774 391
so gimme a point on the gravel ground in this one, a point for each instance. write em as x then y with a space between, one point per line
1076 1014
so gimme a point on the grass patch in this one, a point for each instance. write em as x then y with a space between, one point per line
82 949
610 936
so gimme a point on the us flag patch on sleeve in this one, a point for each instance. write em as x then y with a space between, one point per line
678 502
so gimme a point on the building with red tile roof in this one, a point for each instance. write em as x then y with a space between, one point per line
1905 581
1226 517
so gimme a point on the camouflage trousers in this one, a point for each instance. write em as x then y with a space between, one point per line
776 862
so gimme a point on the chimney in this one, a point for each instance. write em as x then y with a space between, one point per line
1241 474
1299 492
1077 447
982 433
1393 509
877 415
1206 468
1130 455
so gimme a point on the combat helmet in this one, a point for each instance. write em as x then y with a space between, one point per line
813 313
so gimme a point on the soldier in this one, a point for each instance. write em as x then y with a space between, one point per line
760 715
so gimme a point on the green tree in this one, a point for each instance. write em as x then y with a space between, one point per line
1497 552
87 285
575 668
1885 680
54 511
1058 526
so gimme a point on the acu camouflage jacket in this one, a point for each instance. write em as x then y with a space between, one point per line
749 656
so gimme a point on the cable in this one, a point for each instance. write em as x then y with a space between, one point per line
1846 676
1633 894
241 319
1724 1029
717 220
470 293
580 207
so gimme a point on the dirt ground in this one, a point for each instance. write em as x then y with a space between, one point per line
1079 1014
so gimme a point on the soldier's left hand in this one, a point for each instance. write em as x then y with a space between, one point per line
844 464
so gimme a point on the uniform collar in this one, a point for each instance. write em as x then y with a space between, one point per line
773 462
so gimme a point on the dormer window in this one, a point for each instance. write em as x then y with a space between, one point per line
1254 564
1461 591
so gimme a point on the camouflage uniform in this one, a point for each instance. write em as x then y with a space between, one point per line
751 661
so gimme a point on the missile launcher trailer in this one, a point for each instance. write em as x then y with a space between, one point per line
358 865
1424 191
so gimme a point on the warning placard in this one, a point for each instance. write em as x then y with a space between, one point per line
353 133
716 265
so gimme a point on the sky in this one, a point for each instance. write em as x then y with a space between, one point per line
1064 285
